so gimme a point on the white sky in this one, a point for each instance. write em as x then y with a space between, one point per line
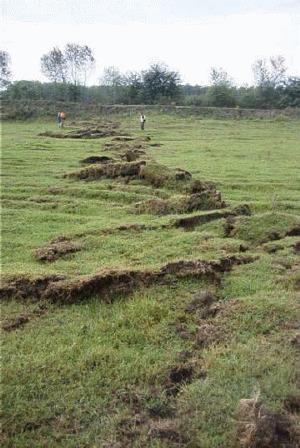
191 36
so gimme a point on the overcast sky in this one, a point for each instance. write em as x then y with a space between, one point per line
191 36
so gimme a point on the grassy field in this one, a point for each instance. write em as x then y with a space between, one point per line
156 367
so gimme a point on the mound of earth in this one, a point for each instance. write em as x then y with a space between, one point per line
263 228
133 154
160 175
191 222
109 170
206 200
58 248
89 133
110 282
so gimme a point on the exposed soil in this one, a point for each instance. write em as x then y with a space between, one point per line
207 335
60 247
14 324
258 427
190 222
97 159
295 231
21 320
296 247
201 304
292 403
110 282
178 376
25 287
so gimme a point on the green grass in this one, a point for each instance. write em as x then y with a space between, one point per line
81 375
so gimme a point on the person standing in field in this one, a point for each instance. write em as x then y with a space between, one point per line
61 116
142 120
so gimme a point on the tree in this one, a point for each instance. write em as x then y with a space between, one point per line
291 92
269 78
112 77
134 87
160 83
222 92
5 74
219 77
54 65
73 65
79 62
269 74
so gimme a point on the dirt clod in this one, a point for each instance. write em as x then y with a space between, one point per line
292 403
13 324
258 427
133 154
165 429
57 249
200 300
178 376
207 335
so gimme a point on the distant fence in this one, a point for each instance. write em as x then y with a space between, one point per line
34 109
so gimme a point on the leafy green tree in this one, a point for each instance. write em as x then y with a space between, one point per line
160 83
54 65
291 92
221 93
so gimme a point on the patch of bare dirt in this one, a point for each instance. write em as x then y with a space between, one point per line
202 304
14 324
259 427
24 287
177 376
59 247
21 320
296 247
295 231
207 335
97 159
292 404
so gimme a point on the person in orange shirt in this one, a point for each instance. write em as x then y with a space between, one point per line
61 116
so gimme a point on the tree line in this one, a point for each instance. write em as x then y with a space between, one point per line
69 69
